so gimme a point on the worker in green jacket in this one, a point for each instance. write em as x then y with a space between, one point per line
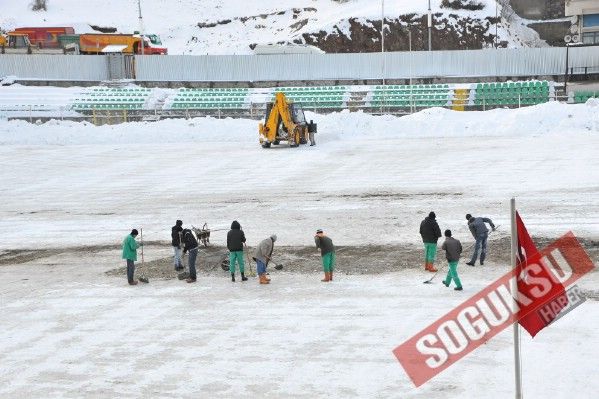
327 252
130 254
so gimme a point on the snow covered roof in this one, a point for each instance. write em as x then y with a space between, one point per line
114 48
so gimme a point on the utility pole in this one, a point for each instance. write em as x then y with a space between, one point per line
430 26
496 22
141 25
383 39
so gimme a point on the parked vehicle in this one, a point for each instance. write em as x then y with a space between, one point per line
45 37
153 44
64 40
19 43
97 43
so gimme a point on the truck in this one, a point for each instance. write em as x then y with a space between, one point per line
152 44
97 43
19 43
45 37
284 121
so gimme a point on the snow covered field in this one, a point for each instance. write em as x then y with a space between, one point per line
369 180
69 330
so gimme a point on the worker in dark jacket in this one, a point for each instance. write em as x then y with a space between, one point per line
453 250
430 233
235 241
190 243
176 232
327 252
480 233
312 127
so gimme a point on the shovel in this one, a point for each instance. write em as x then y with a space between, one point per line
278 266
251 266
143 277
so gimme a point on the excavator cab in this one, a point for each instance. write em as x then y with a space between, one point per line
284 121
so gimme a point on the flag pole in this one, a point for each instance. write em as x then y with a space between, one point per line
516 326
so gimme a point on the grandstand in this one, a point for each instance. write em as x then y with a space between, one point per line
101 98
135 102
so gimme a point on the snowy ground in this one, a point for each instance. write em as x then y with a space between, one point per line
70 331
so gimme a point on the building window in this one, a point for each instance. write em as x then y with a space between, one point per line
590 21
590 38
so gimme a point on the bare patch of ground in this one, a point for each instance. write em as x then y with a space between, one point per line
351 260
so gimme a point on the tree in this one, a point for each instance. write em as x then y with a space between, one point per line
39 5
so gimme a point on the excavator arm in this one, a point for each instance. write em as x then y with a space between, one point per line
282 124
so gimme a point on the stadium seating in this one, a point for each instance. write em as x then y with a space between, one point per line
209 98
456 96
581 97
511 93
433 95
103 98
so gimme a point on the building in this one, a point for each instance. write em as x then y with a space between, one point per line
585 20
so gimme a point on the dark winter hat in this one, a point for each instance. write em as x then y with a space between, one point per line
447 233
179 223
319 231
432 215
468 216
134 232
235 225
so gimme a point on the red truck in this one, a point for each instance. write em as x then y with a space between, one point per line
46 37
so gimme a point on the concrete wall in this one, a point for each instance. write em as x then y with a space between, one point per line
539 9
552 32
579 7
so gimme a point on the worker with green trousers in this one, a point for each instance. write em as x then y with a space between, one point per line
453 251
430 233
130 254
327 252
235 241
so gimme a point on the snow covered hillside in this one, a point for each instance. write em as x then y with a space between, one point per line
369 180
231 26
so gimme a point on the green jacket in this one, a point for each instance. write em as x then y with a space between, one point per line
130 248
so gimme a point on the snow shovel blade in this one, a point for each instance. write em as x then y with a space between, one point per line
427 282
183 276
143 279
279 267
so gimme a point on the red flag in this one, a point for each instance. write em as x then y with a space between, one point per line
533 323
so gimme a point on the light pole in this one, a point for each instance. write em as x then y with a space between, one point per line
430 26
141 25
496 22
567 74
383 40
410 55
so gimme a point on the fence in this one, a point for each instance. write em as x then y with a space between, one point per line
54 67
549 61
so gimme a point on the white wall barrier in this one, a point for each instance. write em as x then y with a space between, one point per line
254 68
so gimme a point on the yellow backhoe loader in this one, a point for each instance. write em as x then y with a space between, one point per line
284 121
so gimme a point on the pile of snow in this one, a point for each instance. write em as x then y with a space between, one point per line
7 80
544 119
